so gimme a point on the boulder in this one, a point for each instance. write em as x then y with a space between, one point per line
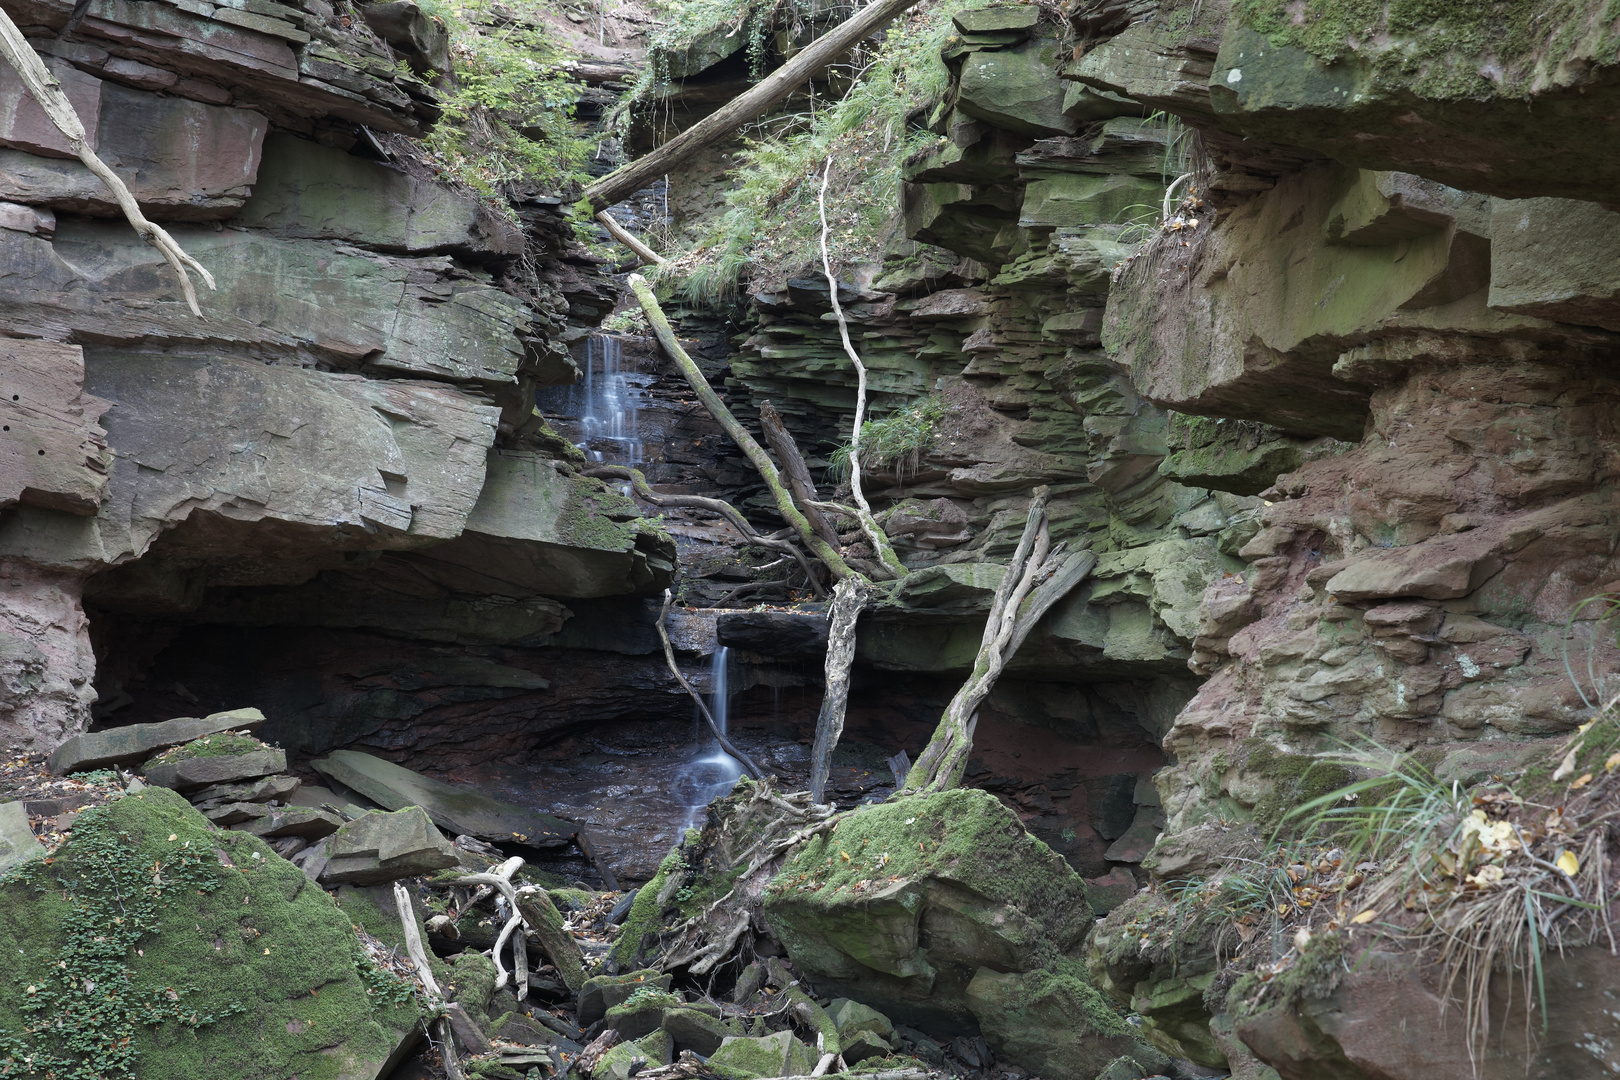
851 1018
18 844
136 742
640 1014
520 1029
996 18
1139 839
603 992
379 846
1016 89
743 1058
620 1062
454 807
294 821
270 789
232 930
422 40
1054 1022
214 759
903 902
1550 258
699 1031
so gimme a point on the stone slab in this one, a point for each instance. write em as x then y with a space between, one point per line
277 788
378 847
454 807
217 769
137 742
53 451
774 633
293 821
1555 259
18 844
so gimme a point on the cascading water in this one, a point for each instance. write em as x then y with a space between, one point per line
713 772
602 407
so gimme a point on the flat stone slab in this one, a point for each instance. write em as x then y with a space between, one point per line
293 821
453 807
774 633
378 847
18 844
277 788
137 742
219 769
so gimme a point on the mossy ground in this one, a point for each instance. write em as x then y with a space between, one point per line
234 933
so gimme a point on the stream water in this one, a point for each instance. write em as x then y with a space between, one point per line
712 772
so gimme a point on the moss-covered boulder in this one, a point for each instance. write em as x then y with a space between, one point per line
214 759
604 992
901 904
154 944
1055 1022
773 1055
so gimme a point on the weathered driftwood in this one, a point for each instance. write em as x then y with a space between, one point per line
863 510
625 237
739 434
732 515
48 92
537 911
849 598
796 471
1041 576
631 178
703 708
424 972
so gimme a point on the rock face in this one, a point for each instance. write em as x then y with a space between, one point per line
359 390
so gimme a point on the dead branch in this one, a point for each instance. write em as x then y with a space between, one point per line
798 473
714 729
631 178
424 972
849 598
625 237
739 434
869 526
48 92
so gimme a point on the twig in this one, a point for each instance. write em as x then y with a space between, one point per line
869 526
714 729
48 92
418 955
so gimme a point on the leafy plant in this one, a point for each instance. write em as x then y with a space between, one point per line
509 106
898 441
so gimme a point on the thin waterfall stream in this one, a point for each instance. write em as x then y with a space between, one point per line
713 772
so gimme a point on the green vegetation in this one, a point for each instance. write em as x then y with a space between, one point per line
225 744
118 942
896 442
771 228
508 106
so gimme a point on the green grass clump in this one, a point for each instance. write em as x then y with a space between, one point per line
897 442
226 744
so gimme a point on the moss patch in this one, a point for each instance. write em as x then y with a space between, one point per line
226 963
1292 780
225 744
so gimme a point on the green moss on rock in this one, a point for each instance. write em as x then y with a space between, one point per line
234 933
225 744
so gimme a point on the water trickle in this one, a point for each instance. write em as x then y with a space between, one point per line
603 407
713 772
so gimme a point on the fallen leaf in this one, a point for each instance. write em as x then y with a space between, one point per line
1584 779
1568 863
1365 917
1566 767
1613 762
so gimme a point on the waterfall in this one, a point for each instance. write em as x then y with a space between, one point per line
602 407
714 772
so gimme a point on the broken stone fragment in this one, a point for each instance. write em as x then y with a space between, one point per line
454 807
293 821
603 992
18 844
774 1055
379 846
270 789
215 768
699 1031
136 742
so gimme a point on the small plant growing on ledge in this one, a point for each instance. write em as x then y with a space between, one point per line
896 442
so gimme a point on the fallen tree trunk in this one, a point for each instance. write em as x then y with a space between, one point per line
638 174
798 473
849 598
1036 573
739 434
624 236
44 88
